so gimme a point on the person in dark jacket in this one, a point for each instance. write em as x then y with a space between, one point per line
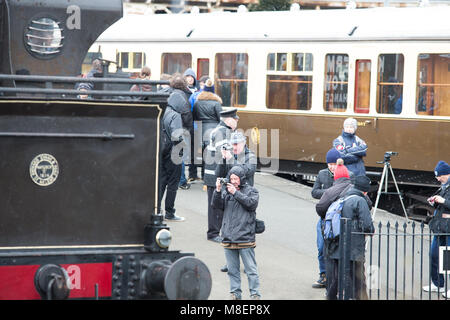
239 201
357 209
324 180
441 203
351 147
173 142
341 185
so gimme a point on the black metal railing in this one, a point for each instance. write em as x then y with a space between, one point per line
397 262
47 83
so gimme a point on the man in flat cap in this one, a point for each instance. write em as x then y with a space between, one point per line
239 155
219 139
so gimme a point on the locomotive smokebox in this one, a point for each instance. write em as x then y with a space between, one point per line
51 37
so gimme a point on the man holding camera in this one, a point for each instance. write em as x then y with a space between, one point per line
237 154
239 201
219 137
440 226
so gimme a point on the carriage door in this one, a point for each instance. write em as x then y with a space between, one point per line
202 68
362 86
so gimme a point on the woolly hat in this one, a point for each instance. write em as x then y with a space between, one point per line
333 155
209 86
362 183
442 169
341 171
351 122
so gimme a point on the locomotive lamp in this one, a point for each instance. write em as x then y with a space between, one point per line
157 236
163 238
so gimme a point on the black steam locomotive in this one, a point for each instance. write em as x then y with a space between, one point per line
79 172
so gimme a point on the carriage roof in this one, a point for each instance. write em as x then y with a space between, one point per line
385 23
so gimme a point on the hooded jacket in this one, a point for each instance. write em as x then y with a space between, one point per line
239 210
176 117
190 72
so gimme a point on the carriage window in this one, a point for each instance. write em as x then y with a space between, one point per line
292 87
390 83
433 85
231 77
336 82
175 62
131 61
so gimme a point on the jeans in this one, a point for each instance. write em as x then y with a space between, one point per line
234 274
320 242
437 279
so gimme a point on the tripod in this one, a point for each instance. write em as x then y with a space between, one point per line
384 178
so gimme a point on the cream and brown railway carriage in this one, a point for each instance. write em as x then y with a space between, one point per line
295 77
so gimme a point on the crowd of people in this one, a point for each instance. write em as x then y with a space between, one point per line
227 170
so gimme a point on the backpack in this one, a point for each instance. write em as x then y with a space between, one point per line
332 224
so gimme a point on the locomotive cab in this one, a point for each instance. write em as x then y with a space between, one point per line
80 176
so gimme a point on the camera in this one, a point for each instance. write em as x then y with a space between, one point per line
227 147
388 154
224 181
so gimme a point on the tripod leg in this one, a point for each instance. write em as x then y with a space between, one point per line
383 176
399 194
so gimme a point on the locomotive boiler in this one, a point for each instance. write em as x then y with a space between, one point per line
79 173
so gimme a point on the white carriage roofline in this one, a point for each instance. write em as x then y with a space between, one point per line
385 23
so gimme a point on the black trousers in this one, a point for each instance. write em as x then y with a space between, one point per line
355 284
215 217
169 178
192 166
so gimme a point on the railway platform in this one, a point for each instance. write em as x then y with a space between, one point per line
286 252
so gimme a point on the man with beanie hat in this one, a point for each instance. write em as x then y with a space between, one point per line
440 223
351 148
357 209
324 180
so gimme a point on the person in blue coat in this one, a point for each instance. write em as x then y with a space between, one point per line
351 147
